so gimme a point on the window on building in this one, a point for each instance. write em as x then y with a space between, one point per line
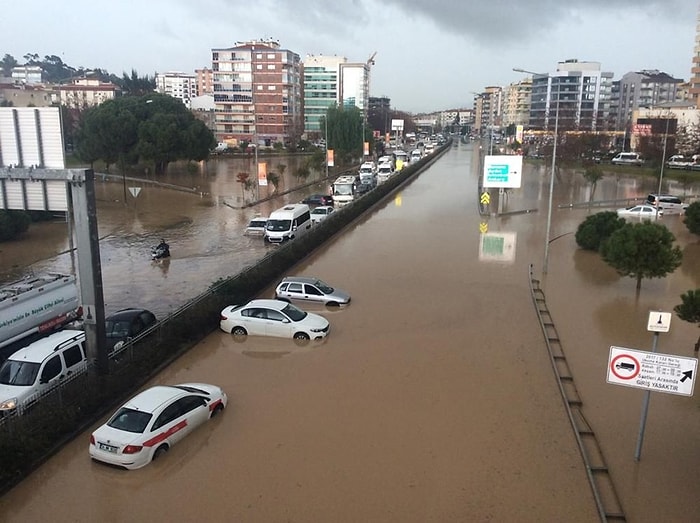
271 87
270 66
259 66
271 56
259 56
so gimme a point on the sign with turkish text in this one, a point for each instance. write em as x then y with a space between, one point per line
503 171
262 173
652 371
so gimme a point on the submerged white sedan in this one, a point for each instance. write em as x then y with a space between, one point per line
154 420
643 212
272 318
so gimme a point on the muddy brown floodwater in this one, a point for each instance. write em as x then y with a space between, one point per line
433 398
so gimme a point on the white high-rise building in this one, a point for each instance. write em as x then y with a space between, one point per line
178 85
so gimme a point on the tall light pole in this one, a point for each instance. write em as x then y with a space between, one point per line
545 265
663 162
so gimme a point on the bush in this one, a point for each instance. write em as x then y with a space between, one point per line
597 228
692 217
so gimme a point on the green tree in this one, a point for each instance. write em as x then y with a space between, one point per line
692 217
7 63
597 228
136 85
274 180
593 174
689 310
642 250
346 133
154 128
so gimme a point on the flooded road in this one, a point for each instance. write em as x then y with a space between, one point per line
432 399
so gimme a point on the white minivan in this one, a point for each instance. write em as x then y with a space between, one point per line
38 367
627 159
287 223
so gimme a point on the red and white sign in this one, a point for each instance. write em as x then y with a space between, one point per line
652 371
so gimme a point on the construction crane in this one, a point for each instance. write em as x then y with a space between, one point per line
370 60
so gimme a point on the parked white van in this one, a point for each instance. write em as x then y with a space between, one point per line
38 367
627 159
287 223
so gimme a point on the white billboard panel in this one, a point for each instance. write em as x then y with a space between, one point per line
503 171
31 136
396 125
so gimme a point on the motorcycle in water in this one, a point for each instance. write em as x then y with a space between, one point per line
160 252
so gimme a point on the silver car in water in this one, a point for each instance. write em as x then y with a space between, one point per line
310 289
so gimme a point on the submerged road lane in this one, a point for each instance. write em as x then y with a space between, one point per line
432 399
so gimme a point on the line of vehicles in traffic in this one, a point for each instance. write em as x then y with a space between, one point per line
294 220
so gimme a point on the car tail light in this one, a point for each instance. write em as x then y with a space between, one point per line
92 439
132 449
223 318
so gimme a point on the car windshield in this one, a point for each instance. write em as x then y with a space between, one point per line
318 210
324 287
20 373
130 420
117 329
278 225
294 313
257 223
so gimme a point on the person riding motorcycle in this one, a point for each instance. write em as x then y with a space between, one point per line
162 250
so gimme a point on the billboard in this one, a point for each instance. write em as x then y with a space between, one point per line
396 125
503 171
262 174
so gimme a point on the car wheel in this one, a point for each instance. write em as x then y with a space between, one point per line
159 452
239 332
217 409
302 336
333 304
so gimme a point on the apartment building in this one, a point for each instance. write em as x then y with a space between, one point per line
321 89
82 93
27 95
27 74
487 110
179 85
694 89
205 81
258 93
576 96
646 88
457 118
354 85
516 103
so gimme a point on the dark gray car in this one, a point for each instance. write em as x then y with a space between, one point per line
310 289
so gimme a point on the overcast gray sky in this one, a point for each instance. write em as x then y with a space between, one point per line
431 54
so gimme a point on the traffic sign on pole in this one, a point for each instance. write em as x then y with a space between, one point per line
652 371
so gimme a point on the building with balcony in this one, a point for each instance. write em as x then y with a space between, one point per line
646 88
258 93
27 74
516 103
487 110
178 85
577 95
86 92
694 89
205 81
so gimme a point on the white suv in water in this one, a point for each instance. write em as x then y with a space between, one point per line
38 367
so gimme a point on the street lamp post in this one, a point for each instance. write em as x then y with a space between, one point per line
663 162
545 265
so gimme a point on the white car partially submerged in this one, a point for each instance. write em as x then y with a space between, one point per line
147 425
642 212
272 318
256 226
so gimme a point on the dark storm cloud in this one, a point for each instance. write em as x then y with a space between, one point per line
502 20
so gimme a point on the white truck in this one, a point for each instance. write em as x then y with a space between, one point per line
37 305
